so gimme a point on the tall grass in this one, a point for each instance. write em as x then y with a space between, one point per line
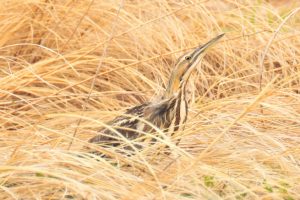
68 67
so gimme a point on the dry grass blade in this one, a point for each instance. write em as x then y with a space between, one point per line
64 62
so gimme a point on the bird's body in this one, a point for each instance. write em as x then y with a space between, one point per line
169 113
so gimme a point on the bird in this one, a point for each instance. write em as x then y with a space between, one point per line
168 112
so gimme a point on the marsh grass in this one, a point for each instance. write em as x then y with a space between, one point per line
68 67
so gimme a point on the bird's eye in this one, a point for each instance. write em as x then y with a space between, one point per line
188 57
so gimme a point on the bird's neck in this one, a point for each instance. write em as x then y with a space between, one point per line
181 90
180 110
172 87
175 88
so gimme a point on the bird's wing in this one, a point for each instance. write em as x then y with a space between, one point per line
160 114
130 115
125 124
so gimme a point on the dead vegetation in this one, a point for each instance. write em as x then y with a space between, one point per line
67 67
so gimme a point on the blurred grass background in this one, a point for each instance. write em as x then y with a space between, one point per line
69 66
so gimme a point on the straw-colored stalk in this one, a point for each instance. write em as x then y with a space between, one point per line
68 67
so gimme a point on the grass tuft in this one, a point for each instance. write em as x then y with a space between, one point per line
68 67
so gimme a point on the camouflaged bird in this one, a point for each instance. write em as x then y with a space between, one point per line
168 114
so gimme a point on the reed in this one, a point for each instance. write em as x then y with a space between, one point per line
68 67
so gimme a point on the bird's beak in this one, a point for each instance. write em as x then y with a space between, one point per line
201 49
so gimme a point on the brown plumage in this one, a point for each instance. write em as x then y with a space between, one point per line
169 113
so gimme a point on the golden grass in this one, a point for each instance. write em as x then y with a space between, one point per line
67 67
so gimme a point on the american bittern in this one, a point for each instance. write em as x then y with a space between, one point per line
169 113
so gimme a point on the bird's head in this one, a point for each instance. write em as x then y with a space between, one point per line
186 64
